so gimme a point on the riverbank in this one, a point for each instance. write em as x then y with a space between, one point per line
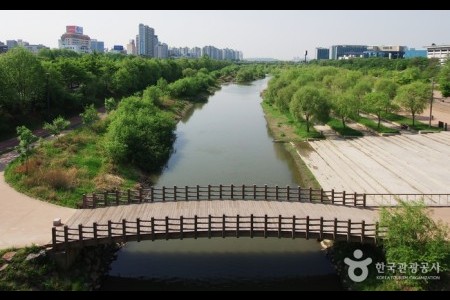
284 131
34 269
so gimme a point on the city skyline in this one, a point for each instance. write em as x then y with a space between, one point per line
255 33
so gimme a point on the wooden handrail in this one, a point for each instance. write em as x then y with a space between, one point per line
221 192
215 226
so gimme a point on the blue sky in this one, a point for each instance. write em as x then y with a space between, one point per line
278 34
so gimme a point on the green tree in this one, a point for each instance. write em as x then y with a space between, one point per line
346 106
57 126
309 103
387 86
377 103
90 115
140 134
413 237
25 76
413 97
26 139
110 104
444 79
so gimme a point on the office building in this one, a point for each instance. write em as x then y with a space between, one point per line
413 52
390 52
441 52
322 53
347 51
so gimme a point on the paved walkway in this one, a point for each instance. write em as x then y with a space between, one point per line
24 220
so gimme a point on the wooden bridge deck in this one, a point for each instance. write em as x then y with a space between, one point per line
160 210
219 218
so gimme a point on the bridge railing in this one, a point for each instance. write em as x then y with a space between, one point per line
393 199
215 226
221 192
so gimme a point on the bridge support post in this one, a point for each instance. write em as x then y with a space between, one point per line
335 228
138 229
209 226
293 227
251 226
237 226
363 230
280 220
349 229
181 227
307 228
223 225
195 226
265 226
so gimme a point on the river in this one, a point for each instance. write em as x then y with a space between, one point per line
224 141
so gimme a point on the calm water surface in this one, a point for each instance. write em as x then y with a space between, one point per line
221 142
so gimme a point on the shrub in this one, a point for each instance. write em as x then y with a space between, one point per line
60 178
89 116
57 126
413 237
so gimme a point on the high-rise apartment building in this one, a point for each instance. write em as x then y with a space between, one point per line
145 41
131 48
162 50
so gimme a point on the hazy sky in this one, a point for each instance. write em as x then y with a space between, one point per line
277 34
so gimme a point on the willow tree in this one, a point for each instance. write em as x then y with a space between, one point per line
310 103
413 97
377 103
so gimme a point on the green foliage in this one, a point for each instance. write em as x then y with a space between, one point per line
69 81
26 139
90 115
310 103
377 103
250 73
140 134
413 97
57 126
23 78
413 237
110 104
346 106
191 87
444 80
387 86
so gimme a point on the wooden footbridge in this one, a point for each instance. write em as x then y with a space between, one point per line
218 211
225 211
